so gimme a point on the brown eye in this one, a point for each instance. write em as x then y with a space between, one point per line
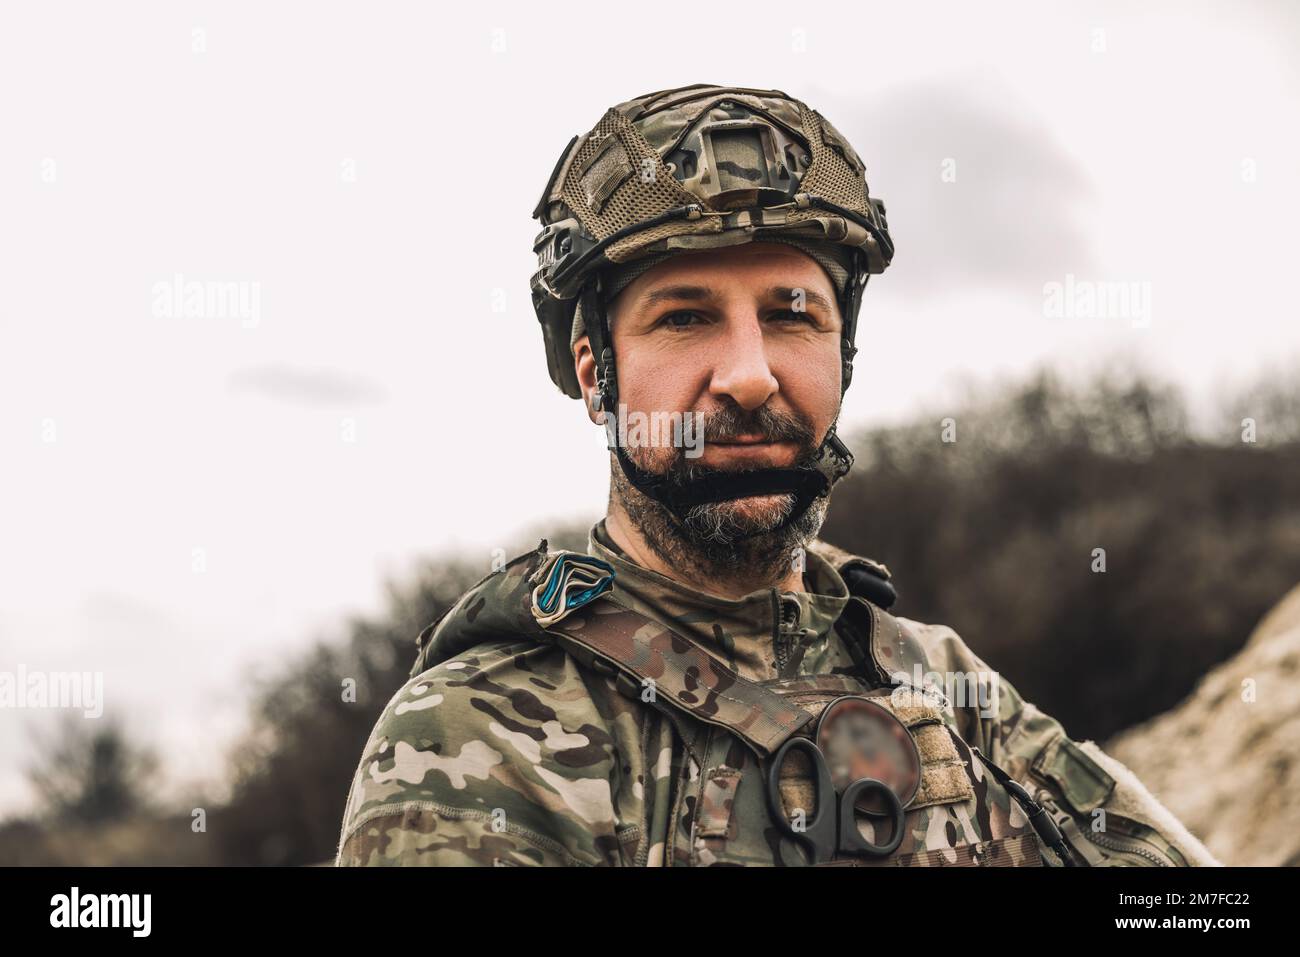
794 315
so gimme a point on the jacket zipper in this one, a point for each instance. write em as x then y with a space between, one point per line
786 618
1130 846
1125 845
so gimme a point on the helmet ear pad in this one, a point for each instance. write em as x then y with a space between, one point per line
556 319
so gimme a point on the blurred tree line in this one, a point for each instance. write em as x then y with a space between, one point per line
990 518
996 534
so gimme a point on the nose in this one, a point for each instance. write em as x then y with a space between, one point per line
740 369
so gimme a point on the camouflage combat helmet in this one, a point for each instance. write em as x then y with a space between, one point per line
699 167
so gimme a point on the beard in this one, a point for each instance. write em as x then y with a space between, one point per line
738 538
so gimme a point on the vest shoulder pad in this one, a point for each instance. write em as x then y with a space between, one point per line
865 577
496 607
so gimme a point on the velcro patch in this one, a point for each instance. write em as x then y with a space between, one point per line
943 774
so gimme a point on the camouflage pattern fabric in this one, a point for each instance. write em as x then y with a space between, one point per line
504 749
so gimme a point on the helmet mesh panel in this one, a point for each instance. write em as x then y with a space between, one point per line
633 201
830 174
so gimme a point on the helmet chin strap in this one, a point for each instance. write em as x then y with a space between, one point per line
805 483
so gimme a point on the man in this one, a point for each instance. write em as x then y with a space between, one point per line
710 683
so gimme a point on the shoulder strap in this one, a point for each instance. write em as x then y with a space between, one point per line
649 658
664 665
558 597
650 661
654 662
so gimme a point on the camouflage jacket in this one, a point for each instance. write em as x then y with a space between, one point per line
506 749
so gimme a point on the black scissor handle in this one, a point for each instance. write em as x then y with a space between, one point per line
851 838
820 828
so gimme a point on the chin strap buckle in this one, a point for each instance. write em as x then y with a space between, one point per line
837 449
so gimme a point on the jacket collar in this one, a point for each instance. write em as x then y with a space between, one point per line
747 633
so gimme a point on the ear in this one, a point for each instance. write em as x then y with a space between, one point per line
584 364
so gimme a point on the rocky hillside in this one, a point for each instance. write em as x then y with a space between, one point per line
1227 759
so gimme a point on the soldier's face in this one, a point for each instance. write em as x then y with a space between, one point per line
748 335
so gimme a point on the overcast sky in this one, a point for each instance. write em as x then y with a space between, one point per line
187 500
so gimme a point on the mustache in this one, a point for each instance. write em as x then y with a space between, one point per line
731 422
727 424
